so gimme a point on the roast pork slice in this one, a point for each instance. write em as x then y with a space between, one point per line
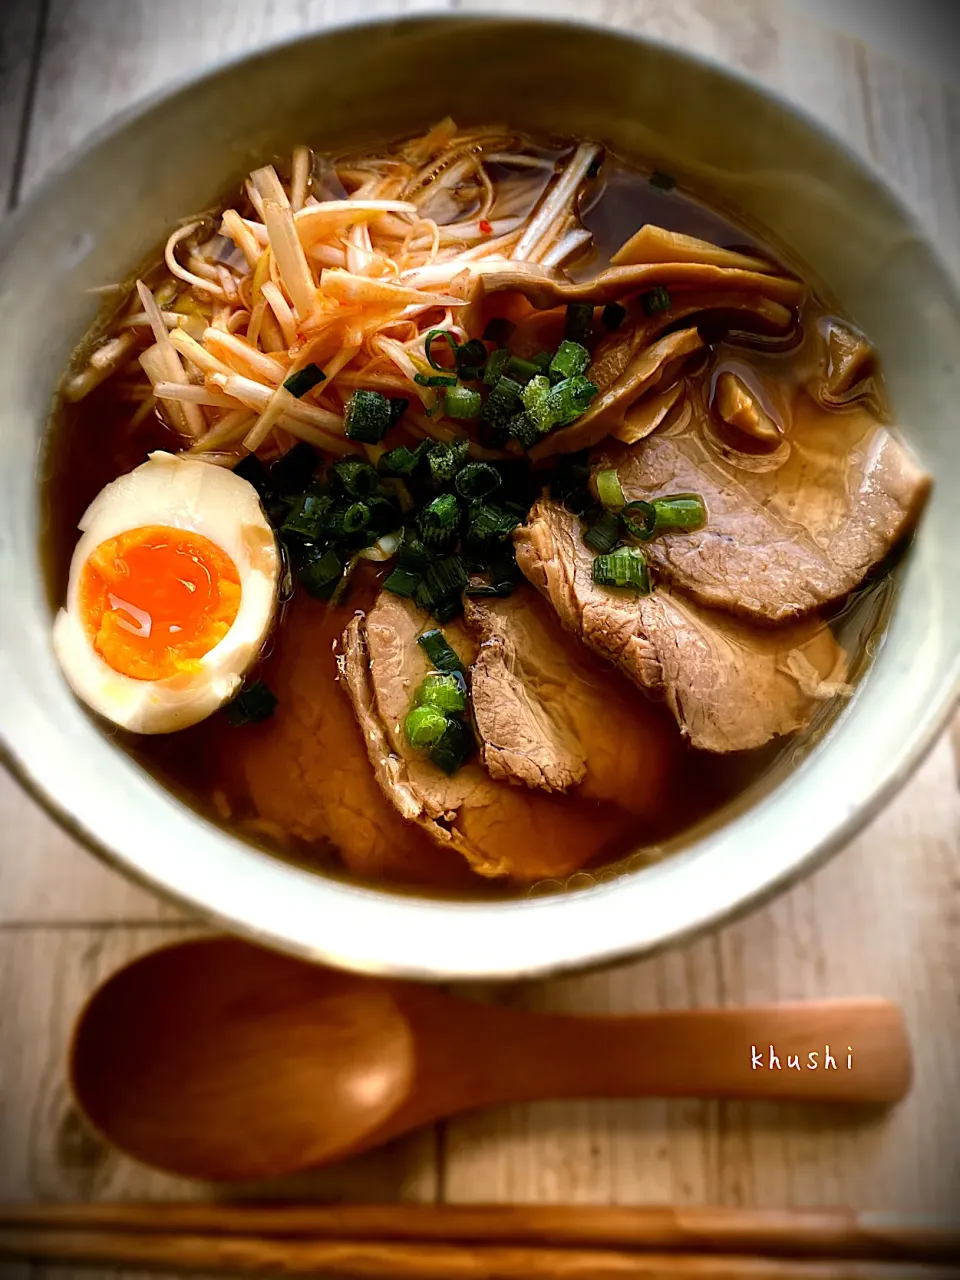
551 716
500 830
730 685
785 539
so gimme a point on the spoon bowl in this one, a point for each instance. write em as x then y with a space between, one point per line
215 1059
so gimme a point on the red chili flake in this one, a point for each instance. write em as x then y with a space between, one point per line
485 226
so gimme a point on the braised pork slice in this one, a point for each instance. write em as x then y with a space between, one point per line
498 829
730 686
550 716
789 538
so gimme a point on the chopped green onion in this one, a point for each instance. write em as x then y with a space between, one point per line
445 460
398 407
451 341
524 430
490 523
443 578
471 358
625 567
356 478
462 403
446 692
502 402
412 554
609 489
254 472
496 363
448 608
563 403
534 394
655 300
680 511
578 326
384 513
604 535
571 359
477 480
401 461
521 370
321 575
456 744
662 181
612 316
437 380
253 704
424 726
367 417
304 380
441 654
498 330
356 517
402 582
309 516
640 519
293 472
542 360
442 513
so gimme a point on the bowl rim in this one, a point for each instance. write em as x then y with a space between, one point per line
513 965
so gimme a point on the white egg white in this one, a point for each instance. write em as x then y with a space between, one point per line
182 493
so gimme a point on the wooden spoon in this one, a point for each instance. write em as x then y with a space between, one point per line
216 1059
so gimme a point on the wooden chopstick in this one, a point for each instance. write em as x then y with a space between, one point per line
373 1260
813 1233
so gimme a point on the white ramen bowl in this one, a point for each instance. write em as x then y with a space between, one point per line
110 205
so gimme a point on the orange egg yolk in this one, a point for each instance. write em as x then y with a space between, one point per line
155 600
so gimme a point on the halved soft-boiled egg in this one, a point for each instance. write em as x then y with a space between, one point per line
172 592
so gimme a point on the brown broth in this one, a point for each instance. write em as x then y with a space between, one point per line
254 779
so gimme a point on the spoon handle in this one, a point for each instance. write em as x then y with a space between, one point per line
822 1051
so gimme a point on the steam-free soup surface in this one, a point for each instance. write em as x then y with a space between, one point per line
302 781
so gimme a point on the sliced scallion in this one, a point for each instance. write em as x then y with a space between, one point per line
533 396
439 519
451 341
253 704
454 747
471 358
304 380
639 519
496 363
609 489
680 511
424 727
502 402
490 523
524 430
356 478
655 300
477 480
446 459
578 326
612 316
439 651
307 519
446 692
356 517
521 370
321 575
401 461
401 582
604 534
462 403
367 416
625 567
444 577
571 359
435 380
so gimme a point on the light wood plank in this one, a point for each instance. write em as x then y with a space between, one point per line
881 918
19 30
48 1151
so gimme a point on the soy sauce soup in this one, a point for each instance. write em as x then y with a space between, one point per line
302 783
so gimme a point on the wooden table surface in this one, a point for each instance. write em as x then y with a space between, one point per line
882 917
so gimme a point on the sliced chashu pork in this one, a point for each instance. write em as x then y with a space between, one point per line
500 830
550 716
729 685
780 541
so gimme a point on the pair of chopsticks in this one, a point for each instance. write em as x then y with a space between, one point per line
485 1242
